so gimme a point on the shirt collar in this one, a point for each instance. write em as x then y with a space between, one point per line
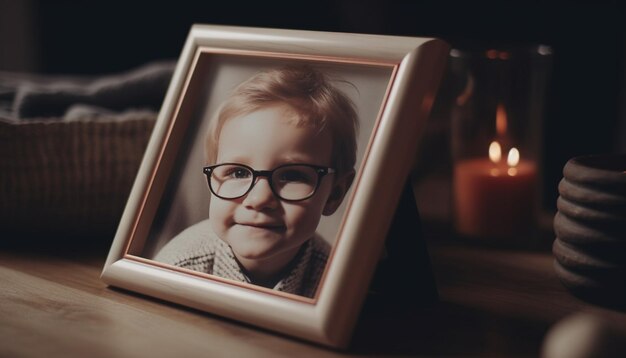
225 265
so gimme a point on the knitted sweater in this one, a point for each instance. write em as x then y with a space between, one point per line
198 248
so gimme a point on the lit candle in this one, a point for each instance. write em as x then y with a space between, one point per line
494 198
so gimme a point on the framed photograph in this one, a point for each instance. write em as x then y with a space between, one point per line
272 175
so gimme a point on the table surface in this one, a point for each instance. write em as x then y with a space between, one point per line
492 301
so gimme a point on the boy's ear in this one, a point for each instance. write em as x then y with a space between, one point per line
338 192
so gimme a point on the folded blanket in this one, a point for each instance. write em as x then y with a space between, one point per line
40 97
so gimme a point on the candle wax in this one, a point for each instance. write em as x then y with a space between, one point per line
494 200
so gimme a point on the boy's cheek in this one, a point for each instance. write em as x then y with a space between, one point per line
308 218
217 224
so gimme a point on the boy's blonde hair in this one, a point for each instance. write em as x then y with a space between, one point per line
311 96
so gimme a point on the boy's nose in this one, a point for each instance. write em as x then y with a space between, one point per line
261 196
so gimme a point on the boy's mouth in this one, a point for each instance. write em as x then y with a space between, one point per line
265 226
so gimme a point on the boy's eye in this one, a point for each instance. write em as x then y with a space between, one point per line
239 173
294 175
229 172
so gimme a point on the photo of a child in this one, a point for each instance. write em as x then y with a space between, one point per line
280 154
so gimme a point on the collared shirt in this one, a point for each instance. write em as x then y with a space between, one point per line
198 248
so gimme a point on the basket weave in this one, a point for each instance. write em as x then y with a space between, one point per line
69 178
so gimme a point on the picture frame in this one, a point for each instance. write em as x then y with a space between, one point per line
391 81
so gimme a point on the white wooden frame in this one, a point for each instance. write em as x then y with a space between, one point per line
416 65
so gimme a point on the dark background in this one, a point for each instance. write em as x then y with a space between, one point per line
584 113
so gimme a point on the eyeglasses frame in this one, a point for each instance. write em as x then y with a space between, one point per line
320 170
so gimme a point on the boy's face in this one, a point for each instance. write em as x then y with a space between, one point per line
259 225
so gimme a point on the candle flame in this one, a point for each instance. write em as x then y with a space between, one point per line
513 158
495 152
501 122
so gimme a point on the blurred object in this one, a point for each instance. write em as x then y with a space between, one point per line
584 335
70 148
590 227
33 97
430 174
496 135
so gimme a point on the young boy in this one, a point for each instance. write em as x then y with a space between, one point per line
281 153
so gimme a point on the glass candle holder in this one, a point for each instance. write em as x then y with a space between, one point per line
496 140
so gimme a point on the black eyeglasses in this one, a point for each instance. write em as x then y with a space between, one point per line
289 182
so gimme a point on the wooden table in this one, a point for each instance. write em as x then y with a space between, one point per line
492 302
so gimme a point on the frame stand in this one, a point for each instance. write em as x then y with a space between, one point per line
404 274
403 286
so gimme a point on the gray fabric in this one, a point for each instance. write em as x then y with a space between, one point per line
29 96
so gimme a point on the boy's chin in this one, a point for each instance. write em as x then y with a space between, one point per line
260 253
255 253
253 248
253 244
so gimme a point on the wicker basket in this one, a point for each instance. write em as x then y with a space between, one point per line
69 178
